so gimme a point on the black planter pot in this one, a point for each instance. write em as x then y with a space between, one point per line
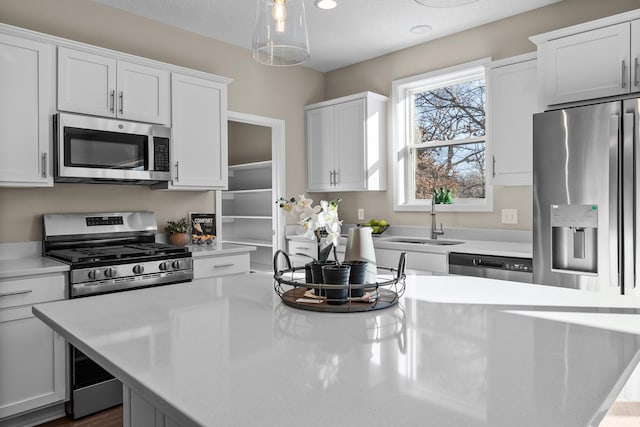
308 278
316 273
336 275
357 276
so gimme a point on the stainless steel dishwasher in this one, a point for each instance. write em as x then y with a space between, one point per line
491 266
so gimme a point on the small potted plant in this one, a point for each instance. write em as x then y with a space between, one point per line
179 231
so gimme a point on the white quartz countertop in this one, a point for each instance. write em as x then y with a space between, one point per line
455 351
469 246
28 266
219 249
482 247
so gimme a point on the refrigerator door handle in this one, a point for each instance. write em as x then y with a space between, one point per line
614 198
628 205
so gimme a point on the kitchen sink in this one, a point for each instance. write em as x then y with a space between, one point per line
421 241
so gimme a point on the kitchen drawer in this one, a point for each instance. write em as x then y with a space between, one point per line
309 248
220 265
31 290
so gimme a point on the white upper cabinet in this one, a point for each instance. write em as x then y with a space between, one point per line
346 144
592 60
103 86
198 133
26 85
635 55
513 99
320 149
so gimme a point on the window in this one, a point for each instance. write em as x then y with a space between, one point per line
440 138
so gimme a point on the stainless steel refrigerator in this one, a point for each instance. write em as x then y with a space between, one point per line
584 197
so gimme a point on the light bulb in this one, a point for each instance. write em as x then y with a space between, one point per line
279 13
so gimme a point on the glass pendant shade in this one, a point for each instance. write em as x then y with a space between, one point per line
280 33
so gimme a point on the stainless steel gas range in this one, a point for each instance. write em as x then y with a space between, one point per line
108 252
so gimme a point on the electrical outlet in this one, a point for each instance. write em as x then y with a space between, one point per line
509 216
360 214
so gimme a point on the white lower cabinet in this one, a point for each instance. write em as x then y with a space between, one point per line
32 356
302 252
139 412
220 265
423 261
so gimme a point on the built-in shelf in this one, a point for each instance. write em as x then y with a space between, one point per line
252 165
231 218
251 242
247 211
228 194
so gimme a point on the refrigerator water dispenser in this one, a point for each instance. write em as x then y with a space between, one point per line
574 239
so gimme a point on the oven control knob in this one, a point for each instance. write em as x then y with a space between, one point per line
138 269
177 264
164 266
94 274
110 272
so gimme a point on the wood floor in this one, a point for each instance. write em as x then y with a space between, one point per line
621 414
107 418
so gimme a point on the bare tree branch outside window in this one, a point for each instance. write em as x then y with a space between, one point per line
452 115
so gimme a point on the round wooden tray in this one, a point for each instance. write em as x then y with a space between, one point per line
296 293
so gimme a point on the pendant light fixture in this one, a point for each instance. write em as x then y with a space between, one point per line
280 34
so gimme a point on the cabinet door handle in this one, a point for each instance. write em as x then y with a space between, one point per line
223 265
494 166
44 165
335 177
330 177
113 101
121 102
177 170
624 78
636 83
8 294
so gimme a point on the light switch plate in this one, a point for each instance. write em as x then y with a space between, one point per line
509 216
360 214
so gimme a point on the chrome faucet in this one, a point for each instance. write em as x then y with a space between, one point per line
434 230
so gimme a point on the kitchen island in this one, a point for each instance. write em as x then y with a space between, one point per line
455 351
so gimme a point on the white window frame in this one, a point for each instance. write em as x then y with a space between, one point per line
403 179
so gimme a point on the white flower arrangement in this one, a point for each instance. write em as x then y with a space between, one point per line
314 218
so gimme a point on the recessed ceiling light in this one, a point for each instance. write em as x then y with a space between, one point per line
420 29
326 4
444 3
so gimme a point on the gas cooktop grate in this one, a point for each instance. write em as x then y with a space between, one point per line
119 252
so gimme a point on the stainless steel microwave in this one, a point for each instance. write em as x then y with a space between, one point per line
100 150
